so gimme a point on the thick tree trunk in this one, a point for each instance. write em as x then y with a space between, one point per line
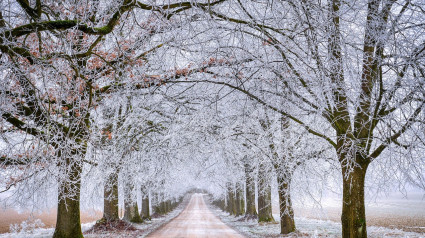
160 204
145 208
110 200
169 206
163 207
287 223
131 211
251 212
231 201
155 203
353 217
240 204
264 196
68 218
221 203
264 204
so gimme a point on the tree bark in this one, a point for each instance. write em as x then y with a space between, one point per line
264 196
131 210
287 223
163 207
240 204
110 200
221 203
231 201
68 217
169 206
353 216
264 204
155 203
251 212
145 208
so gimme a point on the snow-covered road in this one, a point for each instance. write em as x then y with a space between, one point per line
196 221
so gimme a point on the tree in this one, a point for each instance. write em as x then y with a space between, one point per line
306 54
145 212
59 61
289 147
240 201
251 211
131 210
110 202
264 192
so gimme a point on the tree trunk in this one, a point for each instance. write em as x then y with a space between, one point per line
169 206
220 203
264 196
251 212
264 205
287 223
155 203
160 207
68 223
110 200
131 211
231 201
240 205
353 217
163 207
145 208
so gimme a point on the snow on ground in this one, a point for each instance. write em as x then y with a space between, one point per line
395 211
306 227
13 218
35 229
309 227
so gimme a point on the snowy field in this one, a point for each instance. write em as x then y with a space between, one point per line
36 228
394 216
395 211
306 227
18 220
33 229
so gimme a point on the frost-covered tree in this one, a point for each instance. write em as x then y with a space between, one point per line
119 89
59 60
288 147
353 71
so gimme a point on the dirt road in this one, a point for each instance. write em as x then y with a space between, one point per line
196 221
